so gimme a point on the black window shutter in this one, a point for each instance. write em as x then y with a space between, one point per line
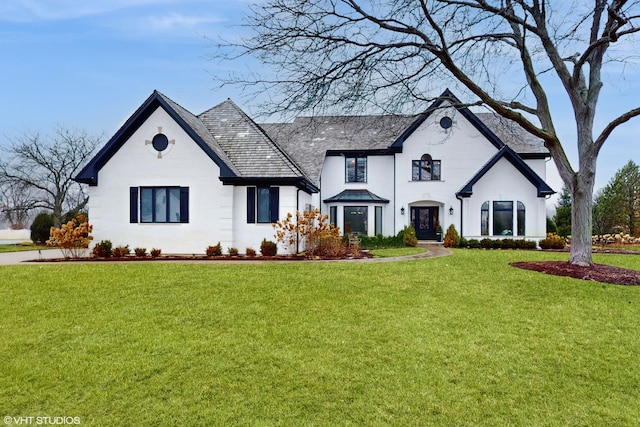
184 204
251 205
133 204
274 203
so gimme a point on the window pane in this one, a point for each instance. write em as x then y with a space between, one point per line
521 219
436 170
355 219
263 205
378 230
502 218
333 214
174 205
415 170
146 205
356 169
160 206
484 219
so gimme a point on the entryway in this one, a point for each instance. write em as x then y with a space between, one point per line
424 220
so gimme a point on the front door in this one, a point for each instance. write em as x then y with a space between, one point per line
424 220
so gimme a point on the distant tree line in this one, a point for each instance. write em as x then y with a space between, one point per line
616 207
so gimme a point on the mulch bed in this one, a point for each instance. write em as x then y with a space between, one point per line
597 272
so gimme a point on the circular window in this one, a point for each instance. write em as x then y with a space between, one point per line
446 122
160 142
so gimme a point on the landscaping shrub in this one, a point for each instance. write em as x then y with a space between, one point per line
72 238
409 238
474 244
463 243
103 249
250 252
141 252
155 252
214 250
313 231
121 251
553 241
451 238
507 244
41 227
233 251
486 243
380 241
268 248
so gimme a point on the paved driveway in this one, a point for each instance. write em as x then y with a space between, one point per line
10 258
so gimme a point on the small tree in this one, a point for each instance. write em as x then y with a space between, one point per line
41 227
452 238
409 238
312 229
72 238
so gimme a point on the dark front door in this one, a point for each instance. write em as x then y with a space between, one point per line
424 221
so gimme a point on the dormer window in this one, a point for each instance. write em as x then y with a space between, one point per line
425 169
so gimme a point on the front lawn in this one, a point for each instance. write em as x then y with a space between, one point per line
458 340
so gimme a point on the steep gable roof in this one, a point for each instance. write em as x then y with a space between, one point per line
187 121
507 153
250 149
241 149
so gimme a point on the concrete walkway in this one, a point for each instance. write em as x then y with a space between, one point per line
15 258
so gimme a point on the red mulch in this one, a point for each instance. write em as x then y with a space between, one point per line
597 272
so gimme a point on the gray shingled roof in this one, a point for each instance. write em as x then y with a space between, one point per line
199 127
248 147
308 139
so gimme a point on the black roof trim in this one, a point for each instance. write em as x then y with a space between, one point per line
507 153
89 174
373 152
302 183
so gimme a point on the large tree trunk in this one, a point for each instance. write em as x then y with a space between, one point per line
581 223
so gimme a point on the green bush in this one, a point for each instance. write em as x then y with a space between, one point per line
464 243
214 250
155 252
141 252
486 243
103 249
451 238
474 244
268 248
409 238
507 244
553 241
41 226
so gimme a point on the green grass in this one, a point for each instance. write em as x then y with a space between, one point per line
463 340
20 247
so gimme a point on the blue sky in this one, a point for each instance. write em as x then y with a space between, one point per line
89 64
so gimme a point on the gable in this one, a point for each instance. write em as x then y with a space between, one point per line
197 132
508 154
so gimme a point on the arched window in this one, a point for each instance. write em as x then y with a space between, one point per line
425 169
484 219
521 219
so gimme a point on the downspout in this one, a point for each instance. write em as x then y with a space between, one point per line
297 210
395 190
461 215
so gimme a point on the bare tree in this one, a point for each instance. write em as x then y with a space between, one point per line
508 54
16 204
43 167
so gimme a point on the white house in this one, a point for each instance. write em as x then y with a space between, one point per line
181 182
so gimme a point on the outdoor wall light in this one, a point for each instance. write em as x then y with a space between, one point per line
402 210
451 210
